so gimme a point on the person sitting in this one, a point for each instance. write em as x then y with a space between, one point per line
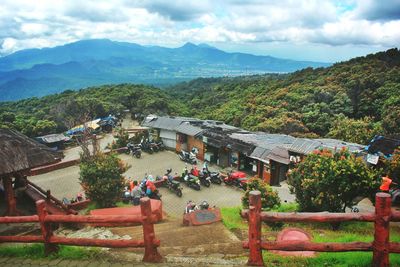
136 194
150 187
195 171
131 185
190 207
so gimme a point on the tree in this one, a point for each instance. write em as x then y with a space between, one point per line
269 197
392 166
353 130
101 178
329 181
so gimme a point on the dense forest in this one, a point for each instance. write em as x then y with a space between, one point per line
352 101
58 112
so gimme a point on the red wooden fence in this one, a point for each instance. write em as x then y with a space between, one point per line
51 242
381 247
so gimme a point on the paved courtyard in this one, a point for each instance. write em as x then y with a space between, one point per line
65 183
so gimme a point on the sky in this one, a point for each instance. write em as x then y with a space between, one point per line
324 30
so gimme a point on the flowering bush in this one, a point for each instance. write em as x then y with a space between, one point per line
269 197
329 181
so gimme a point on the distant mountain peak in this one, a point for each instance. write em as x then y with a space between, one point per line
189 45
103 61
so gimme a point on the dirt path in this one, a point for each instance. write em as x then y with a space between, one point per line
178 240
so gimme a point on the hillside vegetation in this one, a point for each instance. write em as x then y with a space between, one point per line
56 113
350 100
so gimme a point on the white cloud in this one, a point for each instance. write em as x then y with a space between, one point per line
26 24
8 45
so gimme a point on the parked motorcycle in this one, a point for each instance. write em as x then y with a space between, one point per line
203 177
215 176
236 178
134 149
171 184
153 146
191 180
188 157
161 146
146 147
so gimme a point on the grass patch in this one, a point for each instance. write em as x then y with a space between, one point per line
121 204
36 251
321 232
327 259
231 218
287 207
92 206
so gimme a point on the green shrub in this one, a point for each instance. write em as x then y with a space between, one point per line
329 181
101 178
269 197
121 139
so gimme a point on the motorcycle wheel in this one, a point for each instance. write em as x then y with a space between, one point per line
179 193
206 183
138 155
216 181
228 182
196 187
150 151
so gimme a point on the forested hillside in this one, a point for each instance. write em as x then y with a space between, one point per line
56 113
351 100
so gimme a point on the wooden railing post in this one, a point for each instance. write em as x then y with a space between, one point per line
10 198
150 248
381 237
255 257
47 232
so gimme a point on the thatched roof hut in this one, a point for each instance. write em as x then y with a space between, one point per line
19 153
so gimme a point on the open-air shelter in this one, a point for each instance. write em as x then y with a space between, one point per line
18 155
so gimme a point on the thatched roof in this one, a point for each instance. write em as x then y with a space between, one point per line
18 152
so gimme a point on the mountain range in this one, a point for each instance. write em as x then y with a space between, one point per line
39 72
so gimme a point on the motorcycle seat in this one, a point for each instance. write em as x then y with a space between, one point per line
175 182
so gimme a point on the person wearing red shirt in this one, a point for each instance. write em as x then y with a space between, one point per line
386 182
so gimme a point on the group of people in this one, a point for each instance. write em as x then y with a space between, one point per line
191 206
135 191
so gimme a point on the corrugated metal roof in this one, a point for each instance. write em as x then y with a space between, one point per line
260 153
306 146
333 144
163 123
52 138
268 141
280 155
188 129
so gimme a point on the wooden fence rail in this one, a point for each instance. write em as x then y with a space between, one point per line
381 247
51 242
